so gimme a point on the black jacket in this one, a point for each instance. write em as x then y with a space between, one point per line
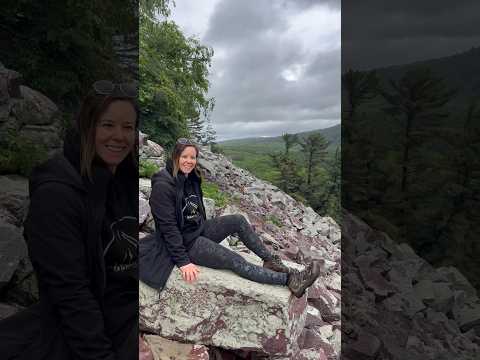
62 231
164 249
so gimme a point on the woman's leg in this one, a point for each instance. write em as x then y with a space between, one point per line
220 227
206 252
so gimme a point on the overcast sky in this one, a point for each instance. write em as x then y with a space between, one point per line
378 33
276 66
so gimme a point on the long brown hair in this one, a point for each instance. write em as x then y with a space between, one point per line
177 152
93 106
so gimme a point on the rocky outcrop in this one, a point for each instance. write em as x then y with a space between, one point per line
27 113
26 116
235 317
397 306
29 117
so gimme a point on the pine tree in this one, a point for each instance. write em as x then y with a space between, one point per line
416 103
289 140
314 150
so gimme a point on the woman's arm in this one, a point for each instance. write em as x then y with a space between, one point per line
57 251
162 204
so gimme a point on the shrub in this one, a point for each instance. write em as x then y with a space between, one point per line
211 190
217 149
20 155
147 169
274 220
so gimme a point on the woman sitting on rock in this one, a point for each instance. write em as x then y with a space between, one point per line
186 239
82 232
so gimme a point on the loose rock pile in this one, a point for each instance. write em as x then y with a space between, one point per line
235 317
397 306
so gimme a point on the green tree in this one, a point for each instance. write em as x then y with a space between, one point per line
289 140
358 87
173 75
418 100
289 179
314 150
359 90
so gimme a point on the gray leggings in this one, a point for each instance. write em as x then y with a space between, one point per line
206 251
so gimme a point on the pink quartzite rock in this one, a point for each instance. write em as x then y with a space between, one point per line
367 346
325 301
224 310
311 354
164 349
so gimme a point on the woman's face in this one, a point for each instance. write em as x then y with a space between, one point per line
187 160
115 133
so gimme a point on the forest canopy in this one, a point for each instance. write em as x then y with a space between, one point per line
62 47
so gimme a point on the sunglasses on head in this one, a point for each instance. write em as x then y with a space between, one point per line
185 141
107 87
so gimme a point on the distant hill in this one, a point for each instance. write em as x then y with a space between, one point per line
460 71
331 134
252 154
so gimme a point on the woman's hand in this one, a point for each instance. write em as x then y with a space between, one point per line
144 351
190 272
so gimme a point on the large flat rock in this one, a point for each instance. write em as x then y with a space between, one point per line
224 310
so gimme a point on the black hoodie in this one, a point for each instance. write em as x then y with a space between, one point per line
63 233
173 237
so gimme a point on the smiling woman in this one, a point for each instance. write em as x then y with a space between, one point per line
115 133
82 237
184 237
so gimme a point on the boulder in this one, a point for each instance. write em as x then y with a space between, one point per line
12 250
150 151
224 310
13 198
143 209
145 187
324 301
10 82
367 346
209 207
36 109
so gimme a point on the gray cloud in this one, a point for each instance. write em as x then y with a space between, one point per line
276 66
380 33
239 21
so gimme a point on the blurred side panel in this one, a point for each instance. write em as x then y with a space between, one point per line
410 189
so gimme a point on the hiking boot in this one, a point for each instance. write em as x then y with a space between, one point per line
299 281
276 264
